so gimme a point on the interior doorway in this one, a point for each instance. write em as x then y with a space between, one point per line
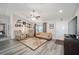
2 30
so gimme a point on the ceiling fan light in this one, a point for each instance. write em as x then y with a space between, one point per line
60 11
37 17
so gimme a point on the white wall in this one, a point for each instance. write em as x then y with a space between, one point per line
77 14
60 28
72 26
24 29
6 14
13 21
10 10
51 30
57 32
5 20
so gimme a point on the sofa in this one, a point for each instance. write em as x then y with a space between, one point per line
44 35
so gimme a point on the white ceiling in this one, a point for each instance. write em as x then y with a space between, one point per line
48 11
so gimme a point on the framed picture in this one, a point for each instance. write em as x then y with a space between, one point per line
18 25
51 26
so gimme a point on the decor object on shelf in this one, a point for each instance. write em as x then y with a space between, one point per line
24 23
19 23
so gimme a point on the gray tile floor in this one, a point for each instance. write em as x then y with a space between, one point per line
13 47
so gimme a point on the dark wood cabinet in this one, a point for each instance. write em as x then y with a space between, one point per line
71 46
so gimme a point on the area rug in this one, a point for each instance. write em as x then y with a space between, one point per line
33 43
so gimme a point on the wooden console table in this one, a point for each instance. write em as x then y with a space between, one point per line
71 46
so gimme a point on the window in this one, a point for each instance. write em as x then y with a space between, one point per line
39 27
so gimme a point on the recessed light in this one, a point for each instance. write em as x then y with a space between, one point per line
60 11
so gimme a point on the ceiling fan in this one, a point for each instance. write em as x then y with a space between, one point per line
35 15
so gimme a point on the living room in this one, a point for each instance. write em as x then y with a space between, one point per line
33 28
